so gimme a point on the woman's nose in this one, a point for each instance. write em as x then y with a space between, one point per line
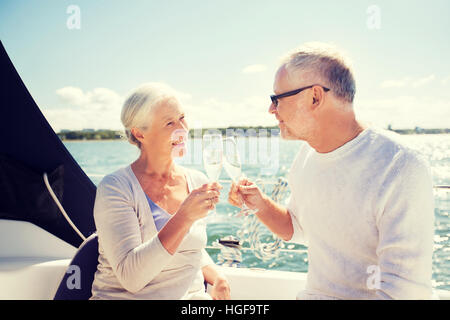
180 133
184 126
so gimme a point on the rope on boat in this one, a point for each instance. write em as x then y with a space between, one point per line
265 250
64 213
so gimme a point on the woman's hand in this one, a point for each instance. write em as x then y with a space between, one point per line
246 192
220 289
194 207
200 201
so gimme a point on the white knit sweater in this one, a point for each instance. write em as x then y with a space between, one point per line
366 213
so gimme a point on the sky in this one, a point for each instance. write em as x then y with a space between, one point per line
81 58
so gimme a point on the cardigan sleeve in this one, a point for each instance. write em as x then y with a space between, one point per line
205 259
135 263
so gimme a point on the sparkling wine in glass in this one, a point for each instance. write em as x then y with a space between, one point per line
232 164
212 157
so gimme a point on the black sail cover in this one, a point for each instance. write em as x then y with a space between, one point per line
28 148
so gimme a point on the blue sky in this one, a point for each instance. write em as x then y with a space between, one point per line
222 55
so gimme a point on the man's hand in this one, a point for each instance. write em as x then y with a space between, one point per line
247 192
234 198
273 215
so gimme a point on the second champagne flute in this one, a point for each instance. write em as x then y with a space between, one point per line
232 164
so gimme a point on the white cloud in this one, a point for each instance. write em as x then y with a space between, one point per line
423 81
396 83
214 113
96 109
445 81
103 96
100 109
408 82
405 112
254 68
71 95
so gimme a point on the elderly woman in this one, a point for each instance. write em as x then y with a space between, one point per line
149 214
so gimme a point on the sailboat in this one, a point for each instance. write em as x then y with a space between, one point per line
48 245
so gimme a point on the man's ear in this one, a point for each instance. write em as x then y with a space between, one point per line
317 97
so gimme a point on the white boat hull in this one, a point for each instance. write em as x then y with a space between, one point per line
32 267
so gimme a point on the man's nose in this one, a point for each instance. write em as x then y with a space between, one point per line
272 108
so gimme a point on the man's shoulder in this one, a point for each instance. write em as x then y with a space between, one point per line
394 145
303 149
396 151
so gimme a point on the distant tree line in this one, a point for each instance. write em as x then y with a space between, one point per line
104 134
418 130
90 135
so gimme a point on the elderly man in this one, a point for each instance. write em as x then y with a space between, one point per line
360 200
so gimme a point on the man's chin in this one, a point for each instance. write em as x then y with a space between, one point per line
286 134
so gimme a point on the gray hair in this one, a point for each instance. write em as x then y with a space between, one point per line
139 104
325 63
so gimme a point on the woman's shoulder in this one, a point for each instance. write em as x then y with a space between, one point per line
120 177
117 185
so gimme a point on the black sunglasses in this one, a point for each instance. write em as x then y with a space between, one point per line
275 98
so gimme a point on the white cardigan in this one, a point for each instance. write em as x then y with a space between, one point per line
133 264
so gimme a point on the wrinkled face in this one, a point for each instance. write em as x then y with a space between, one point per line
167 131
295 118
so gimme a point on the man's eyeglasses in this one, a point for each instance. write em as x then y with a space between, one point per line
275 98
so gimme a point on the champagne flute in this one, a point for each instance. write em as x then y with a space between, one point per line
212 157
232 164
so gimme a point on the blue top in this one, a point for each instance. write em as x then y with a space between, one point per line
160 216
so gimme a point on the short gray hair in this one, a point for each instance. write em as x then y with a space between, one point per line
140 103
327 63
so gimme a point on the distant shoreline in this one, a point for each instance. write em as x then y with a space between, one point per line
90 140
114 135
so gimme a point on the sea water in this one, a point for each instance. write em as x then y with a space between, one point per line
98 158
